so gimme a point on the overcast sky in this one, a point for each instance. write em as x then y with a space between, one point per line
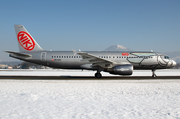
141 25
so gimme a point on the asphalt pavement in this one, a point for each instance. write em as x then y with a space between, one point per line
88 77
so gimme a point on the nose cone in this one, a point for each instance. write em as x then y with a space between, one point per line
174 63
171 63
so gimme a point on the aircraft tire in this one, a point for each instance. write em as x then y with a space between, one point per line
98 75
154 76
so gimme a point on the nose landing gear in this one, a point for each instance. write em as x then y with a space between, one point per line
153 73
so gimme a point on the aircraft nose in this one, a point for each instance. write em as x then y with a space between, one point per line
174 63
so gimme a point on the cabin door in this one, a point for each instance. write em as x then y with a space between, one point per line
43 56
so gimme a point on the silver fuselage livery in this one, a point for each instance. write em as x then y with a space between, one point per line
70 60
114 62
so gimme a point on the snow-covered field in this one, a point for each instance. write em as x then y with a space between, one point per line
90 99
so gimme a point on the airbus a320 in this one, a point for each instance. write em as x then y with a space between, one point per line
114 62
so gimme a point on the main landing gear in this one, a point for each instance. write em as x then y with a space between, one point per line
153 73
98 74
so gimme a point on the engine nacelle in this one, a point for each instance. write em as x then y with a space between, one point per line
125 69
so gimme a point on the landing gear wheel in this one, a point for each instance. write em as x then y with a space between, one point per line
154 75
98 75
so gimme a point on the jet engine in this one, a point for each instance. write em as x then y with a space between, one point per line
125 69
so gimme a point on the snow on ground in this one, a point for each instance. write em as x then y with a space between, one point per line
89 99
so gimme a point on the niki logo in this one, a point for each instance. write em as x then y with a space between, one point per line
125 54
25 40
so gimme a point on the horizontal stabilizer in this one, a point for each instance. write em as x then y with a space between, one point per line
18 54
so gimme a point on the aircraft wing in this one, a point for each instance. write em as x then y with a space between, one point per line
95 60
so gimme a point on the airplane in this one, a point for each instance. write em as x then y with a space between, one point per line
114 62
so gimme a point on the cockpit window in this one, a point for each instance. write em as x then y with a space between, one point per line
166 57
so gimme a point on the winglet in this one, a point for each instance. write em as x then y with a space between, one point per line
74 51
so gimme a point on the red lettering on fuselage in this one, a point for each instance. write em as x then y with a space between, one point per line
125 54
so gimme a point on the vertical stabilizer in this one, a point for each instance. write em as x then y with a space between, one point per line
25 41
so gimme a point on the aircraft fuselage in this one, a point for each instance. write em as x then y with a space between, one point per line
70 60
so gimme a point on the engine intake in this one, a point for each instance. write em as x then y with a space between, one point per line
125 69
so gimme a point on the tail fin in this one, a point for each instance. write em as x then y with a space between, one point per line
25 41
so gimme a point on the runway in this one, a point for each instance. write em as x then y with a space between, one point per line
89 77
20 74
